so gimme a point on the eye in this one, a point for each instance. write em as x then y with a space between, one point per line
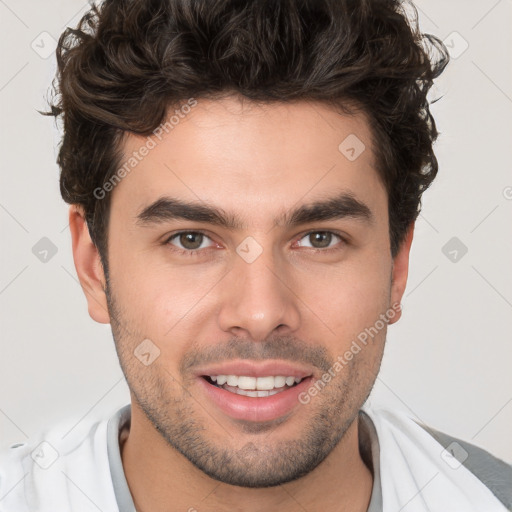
320 239
189 241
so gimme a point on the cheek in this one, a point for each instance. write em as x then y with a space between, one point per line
161 300
347 296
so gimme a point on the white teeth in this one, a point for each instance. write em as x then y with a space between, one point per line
246 382
232 380
280 381
264 384
252 393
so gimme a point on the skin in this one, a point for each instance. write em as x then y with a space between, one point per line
292 303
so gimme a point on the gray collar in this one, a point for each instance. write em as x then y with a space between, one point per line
369 447
116 423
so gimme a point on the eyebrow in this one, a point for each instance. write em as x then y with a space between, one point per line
342 206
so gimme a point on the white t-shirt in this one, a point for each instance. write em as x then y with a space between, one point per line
81 470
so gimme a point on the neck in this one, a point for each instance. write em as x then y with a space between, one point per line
158 475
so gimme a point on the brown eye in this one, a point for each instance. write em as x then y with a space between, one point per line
191 240
188 240
320 240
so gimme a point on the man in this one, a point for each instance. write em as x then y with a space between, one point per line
244 179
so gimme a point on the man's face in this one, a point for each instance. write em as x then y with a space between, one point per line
255 299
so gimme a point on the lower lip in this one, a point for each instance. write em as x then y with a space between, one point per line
256 409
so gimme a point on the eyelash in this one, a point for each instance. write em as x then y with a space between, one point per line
195 252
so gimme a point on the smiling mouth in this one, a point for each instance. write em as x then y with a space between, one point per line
256 387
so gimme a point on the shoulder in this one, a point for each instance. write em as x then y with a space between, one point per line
493 472
59 468
460 472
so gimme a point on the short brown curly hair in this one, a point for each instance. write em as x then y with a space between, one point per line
129 61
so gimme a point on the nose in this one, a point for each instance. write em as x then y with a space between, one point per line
258 298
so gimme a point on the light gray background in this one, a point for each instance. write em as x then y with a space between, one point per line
447 362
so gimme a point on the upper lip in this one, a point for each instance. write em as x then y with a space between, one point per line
255 369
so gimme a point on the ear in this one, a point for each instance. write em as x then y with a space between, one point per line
88 266
401 271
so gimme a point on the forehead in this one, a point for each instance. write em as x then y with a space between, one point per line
252 158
